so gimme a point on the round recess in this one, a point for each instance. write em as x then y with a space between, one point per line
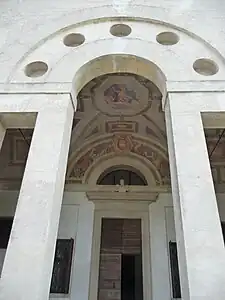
167 38
120 30
73 40
205 66
36 69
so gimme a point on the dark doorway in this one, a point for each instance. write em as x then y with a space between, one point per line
131 277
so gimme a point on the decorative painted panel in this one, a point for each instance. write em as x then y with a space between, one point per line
121 126
123 144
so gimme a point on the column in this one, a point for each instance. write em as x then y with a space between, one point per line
29 258
200 244
83 251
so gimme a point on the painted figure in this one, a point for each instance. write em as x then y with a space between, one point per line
119 93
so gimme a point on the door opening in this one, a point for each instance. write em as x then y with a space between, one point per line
131 277
120 271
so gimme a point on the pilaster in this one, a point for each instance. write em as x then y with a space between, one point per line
198 231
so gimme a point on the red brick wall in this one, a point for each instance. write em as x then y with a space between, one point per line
119 236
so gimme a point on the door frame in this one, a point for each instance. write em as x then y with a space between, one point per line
113 209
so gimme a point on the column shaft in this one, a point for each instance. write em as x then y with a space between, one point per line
29 258
198 231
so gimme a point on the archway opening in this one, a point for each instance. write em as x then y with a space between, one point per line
120 155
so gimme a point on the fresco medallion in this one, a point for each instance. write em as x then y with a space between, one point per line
121 95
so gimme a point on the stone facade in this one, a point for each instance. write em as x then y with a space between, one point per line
95 86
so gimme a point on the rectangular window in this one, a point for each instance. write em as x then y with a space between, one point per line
62 266
174 268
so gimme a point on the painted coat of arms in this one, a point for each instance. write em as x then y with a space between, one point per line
119 95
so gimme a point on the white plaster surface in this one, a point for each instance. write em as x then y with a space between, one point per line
28 263
20 18
31 103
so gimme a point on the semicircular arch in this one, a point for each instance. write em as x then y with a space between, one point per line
142 53
66 24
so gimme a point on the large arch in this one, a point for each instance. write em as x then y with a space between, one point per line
140 51
48 28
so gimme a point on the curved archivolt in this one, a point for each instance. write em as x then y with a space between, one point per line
64 57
